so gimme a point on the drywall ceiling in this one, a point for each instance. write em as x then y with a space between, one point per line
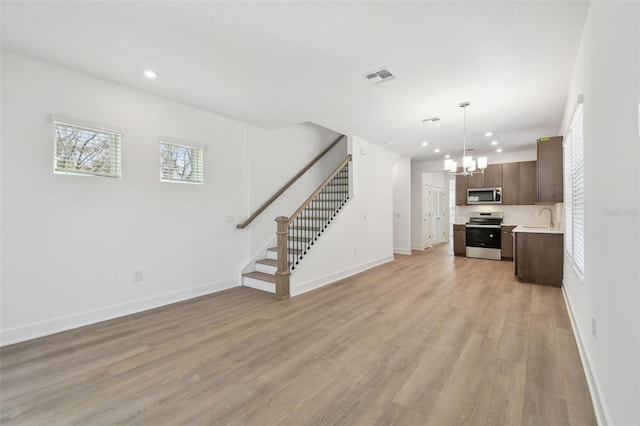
278 63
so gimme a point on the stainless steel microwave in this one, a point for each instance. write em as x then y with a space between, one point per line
484 195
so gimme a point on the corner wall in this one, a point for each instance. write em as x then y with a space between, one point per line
607 73
361 236
71 244
402 206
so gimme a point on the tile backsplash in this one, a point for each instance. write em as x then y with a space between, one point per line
517 215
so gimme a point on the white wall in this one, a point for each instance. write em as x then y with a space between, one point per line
71 244
606 72
402 206
361 236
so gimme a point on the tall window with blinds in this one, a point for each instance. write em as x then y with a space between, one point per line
86 151
180 163
574 190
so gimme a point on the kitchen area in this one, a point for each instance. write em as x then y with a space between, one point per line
514 212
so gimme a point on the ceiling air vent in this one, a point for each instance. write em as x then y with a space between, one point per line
380 76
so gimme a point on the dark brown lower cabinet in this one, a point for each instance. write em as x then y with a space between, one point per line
459 240
539 257
507 242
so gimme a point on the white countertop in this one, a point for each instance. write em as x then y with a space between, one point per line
537 229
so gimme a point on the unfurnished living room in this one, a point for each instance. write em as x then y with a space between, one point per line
320 212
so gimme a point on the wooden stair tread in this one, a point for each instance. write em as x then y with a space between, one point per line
270 262
260 276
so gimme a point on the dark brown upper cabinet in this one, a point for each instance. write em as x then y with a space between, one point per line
527 183
493 176
510 183
550 173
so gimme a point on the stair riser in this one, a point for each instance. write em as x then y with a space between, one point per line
267 269
259 284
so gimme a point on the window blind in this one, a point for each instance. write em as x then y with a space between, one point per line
574 189
181 163
86 150
577 188
568 211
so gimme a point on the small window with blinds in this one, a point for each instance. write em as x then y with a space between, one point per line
180 163
82 150
574 186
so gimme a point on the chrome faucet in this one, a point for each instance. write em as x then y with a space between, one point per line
550 216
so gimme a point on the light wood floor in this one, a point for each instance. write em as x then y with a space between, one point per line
426 340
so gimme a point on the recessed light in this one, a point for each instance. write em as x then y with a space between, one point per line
447 156
424 143
151 75
431 119
494 142
499 150
488 134
436 150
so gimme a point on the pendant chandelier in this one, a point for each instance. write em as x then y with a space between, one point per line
469 165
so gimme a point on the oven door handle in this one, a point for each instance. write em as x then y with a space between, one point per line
483 226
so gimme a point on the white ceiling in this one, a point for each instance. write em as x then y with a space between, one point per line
279 63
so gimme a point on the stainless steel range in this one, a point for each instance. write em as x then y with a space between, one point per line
483 235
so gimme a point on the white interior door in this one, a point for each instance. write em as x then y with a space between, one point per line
426 216
438 211
439 215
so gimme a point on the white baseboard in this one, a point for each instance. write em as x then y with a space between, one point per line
417 247
402 251
298 289
600 409
56 325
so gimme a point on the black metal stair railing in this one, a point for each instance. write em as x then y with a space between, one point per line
298 233
305 228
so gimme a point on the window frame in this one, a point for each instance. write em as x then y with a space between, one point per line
198 158
114 140
574 191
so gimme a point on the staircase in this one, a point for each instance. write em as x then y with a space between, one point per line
298 233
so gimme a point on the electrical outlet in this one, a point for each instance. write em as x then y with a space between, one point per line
137 276
593 327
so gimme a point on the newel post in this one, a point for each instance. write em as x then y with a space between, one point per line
282 274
